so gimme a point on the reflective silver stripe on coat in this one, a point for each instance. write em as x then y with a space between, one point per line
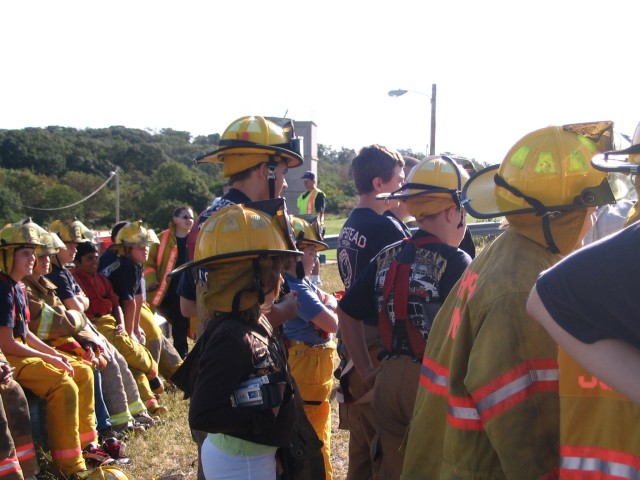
615 469
518 385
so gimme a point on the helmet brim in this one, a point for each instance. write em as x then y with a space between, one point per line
217 156
480 197
480 200
320 246
232 257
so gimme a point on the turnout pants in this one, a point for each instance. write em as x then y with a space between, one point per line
119 387
364 460
312 368
394 395
69 407
161 349
17 452
141 364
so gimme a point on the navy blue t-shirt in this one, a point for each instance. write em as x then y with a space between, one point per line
126 279
363 235
592 293
187 285
435 270
66 285
13 307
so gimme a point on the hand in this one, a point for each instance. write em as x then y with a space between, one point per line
120 329
139 333
330 301
288 305
369 378
275 410
62 362
90 356
6 373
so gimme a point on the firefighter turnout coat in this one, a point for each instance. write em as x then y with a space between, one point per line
487 404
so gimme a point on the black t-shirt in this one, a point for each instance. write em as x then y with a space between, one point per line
181 258
363 235
592 293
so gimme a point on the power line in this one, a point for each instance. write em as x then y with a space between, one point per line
111 175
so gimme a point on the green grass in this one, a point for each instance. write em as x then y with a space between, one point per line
333 225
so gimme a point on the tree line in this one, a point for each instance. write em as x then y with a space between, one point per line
44 169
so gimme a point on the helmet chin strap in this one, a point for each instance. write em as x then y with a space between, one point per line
539 207
462 220
299 270
256 287
271 176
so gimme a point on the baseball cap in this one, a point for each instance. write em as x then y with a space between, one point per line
309 175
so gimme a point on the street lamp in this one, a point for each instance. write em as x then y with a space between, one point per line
399 92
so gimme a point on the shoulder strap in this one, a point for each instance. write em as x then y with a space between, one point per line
397 279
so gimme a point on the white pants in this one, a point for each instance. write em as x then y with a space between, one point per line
219 465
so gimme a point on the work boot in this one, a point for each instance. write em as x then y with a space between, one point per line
143 418
94 456
154 408
116 450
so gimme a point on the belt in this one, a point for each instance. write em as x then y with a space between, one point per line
292 343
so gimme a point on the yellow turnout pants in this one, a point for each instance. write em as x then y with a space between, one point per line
312 368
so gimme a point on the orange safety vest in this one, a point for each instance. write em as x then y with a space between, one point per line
164 281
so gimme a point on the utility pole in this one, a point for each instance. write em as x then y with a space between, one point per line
117 174
432 143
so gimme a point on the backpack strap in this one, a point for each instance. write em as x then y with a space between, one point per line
397 280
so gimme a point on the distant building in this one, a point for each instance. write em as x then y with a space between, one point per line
307 130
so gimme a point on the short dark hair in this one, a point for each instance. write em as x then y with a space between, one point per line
409 163
83 249
371 162
179 210
116 228
244 174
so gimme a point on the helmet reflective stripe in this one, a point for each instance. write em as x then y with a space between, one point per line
71 230
134 233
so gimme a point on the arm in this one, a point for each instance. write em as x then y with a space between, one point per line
615 362
327 321
150 269
285 309
188 308
129 312
119 316
320 206
75 303
353 336
33 348
225 362
490 367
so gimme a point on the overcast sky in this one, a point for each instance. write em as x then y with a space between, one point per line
502 69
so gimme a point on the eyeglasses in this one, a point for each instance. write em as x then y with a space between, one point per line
186 217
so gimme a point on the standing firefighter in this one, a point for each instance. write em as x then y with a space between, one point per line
487 405
597 437
402 289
